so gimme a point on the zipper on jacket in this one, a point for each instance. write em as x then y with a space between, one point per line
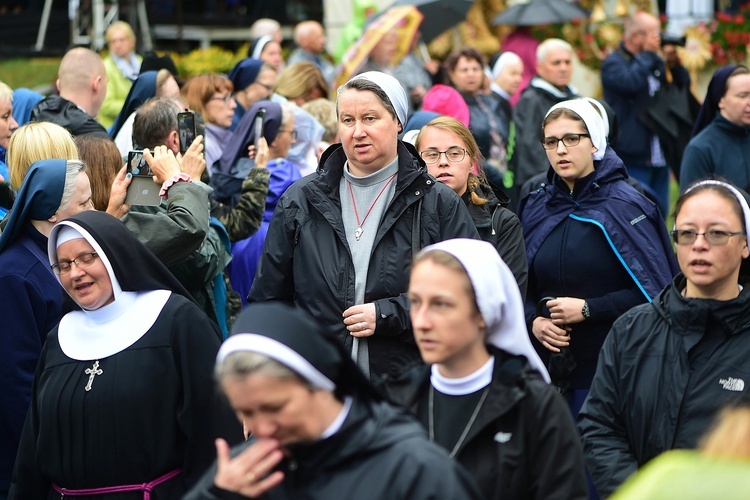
616 252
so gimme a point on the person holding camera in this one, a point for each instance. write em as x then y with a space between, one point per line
630 77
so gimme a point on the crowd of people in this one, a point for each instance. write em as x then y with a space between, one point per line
440 282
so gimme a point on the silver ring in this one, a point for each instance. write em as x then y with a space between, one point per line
361 326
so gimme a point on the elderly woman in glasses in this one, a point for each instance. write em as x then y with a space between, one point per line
596 247
451 153
668 366
123 399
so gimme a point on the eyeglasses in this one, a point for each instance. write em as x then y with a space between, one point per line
453 155
293 133
228 98
82 261
713 237
568 141
267 87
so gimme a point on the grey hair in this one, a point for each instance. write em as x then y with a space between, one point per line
6 93
72 169
550 44
362 84
287 113
242 364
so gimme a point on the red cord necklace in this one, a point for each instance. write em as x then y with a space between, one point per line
359 231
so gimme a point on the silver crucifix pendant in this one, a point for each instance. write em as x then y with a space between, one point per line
93 372
358 233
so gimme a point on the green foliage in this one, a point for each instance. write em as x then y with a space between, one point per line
29 73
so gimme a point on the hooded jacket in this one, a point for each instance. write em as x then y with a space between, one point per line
307 261
499 226
663 372
631 223
523 443
605 224
380 452
61 111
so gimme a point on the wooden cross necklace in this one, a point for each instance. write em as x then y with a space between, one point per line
359 231
93 372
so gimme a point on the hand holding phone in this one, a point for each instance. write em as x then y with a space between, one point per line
186 129
142 189
259 125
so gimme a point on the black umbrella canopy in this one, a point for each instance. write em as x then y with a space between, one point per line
538 12
439 15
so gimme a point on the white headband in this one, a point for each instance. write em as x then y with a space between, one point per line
65 234
260 45
392 88
277 351
594 122
502 61
741 199
498 297
69 230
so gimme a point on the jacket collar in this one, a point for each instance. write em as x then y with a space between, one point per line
542 84
725 125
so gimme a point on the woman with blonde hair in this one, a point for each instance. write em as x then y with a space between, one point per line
122 65
7 126
37 141
451 153
301 82
212 96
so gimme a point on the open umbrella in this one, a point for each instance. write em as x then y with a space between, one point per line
537 12
404 20
439 15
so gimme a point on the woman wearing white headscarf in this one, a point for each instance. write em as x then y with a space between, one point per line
596 247
123 399
485 397
341 238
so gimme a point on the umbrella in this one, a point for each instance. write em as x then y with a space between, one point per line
537 12
404 20
440 15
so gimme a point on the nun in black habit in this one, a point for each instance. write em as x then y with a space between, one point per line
320 431
123 403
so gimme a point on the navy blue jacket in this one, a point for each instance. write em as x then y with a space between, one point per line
606 244
632 224
625 84
31 301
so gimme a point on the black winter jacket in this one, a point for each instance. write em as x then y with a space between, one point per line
306 259
523 444
58 110
379 453
500 226
663 372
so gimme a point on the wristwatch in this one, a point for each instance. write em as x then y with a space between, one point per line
585 310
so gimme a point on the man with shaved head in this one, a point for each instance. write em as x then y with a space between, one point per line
311 45
82 84
630 76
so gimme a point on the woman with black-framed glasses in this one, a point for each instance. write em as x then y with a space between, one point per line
667 367
452 156
596 247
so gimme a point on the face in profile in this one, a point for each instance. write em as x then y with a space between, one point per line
80 201
448 328
711 269
7 123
